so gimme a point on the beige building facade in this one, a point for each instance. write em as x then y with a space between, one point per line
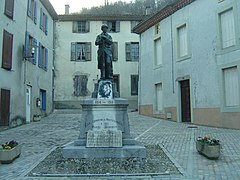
76 57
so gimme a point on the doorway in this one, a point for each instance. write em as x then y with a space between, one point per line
4 107
28 104
185 101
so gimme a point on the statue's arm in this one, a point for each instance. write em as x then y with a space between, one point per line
98 41
108 40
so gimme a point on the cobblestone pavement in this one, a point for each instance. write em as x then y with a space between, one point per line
38 139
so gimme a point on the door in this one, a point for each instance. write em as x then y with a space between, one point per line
185 101
28 104
4 107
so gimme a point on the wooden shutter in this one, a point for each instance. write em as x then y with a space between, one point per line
134 84
46 59
46 24
231 83
73 51
182 37
41 19
128 51
228 29
4 107
117 26
43 99
29 8
115 51
7 50
9 8
26 48
88 51
87 26
34 60
40 55
75 26
35 12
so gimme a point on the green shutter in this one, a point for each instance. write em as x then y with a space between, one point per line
117 26
88 51
128 52
75 27
87 26
73 51
115 51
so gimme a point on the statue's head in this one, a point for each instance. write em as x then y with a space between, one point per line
104 28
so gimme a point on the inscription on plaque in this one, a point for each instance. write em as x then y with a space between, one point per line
103 101
104 138
104 123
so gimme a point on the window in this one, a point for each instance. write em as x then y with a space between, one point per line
231 86
30 45
134 84
7 50
228 35
159 98
157 29
42 57
80 85
4 107
158 51
80 51
182 41
80 26
132 51
133 24
9 8
113 26
43 99
116 80
43 22
32 10
115 51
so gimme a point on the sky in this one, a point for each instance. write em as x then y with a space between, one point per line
77 5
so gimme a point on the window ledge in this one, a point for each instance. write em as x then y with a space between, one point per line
231 109
184 58
228 49
158 67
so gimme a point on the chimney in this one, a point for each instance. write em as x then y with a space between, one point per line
148 10
67 8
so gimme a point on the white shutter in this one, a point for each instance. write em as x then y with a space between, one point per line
231 86
159 97
228 29
158 51
182 38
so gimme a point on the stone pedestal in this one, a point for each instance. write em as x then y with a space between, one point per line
104 130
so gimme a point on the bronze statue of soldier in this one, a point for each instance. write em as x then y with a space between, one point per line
104 42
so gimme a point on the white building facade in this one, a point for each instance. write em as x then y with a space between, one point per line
76 69
190 63
26 60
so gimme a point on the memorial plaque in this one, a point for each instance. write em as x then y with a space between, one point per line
105 90
104 138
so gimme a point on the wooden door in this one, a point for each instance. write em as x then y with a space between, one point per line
4 107
185 101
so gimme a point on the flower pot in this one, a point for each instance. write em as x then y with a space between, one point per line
8 156
37 118
209 151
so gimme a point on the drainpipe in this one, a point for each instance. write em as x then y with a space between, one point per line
173 82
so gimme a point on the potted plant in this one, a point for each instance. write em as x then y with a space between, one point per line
208 147
9 152
37 117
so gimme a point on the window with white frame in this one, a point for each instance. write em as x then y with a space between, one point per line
80 51
158 51
182 41
231 87
80 26
113 26
227 25
159 97
132 51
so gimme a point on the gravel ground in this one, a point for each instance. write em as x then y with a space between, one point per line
156 162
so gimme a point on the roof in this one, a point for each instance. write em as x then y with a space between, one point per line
48 6
88 17
169 7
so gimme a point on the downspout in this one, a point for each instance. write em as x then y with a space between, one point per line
139 78
173 82
53 65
